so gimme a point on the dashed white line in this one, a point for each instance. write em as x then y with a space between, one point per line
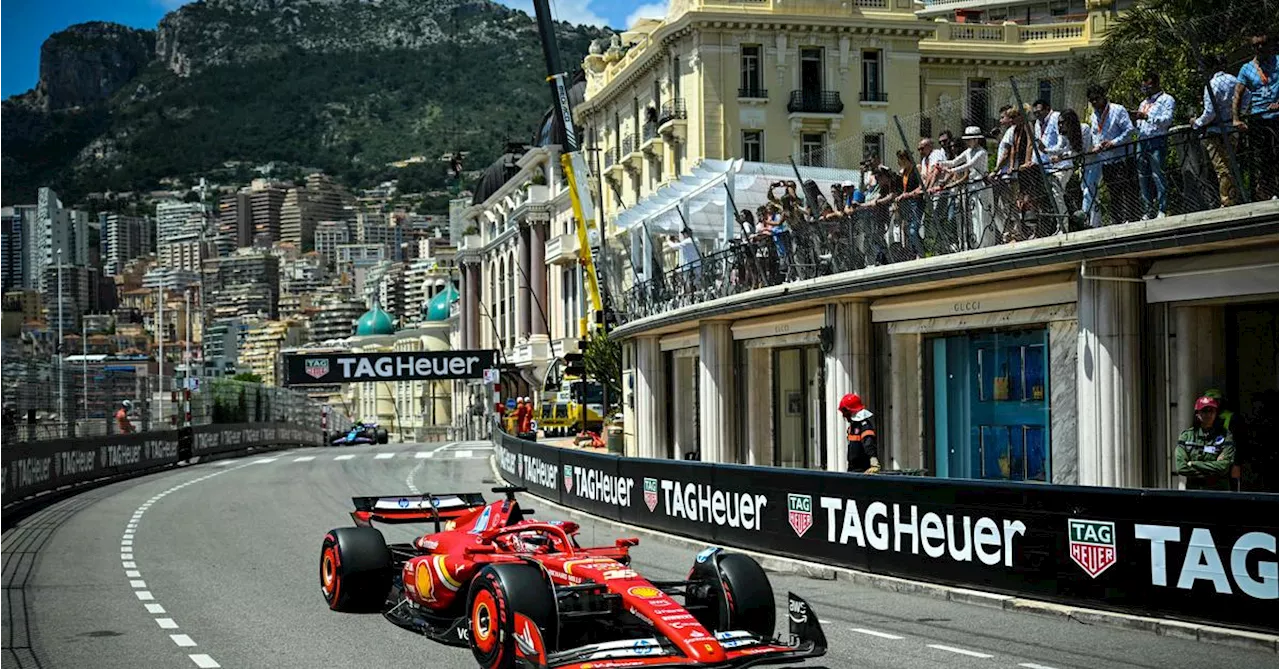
348 456
182 640
143 595
423 454
129 565
882 635
259 461
959 651
138 584
155 608
133 573
204 661
305 458
463 454
384 456
1033 665
166 623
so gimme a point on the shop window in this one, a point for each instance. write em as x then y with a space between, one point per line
990 410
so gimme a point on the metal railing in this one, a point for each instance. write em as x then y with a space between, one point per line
628 145
648 131
672 110
85 404
1035 201
753 92
873 96
815 102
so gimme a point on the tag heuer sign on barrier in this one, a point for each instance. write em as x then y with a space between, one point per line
800 513
1093 544
651 493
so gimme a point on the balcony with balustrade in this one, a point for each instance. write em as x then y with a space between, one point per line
1009 38
673 119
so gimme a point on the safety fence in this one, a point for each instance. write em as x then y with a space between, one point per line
1197 556
34 469
886 216
45 400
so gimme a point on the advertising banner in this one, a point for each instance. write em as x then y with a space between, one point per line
34 467
327 368
1201 556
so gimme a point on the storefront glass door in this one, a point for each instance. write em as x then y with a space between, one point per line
797 407
991 406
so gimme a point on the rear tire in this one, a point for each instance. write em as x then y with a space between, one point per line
355 569
381 436
497 593
738 597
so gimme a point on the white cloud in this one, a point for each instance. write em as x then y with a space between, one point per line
656 10
577 12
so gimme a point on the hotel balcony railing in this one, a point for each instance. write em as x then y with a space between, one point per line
1004 209
753 92
648 131
628 145
815 102
672 110
873 96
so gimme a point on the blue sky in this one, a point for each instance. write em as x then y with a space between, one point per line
26 23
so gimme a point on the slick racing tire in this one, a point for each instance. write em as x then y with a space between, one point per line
498 592
355 569
381 436
738 595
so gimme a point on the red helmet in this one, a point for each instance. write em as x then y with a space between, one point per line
1206 402
851 403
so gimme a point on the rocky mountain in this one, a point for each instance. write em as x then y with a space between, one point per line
342 85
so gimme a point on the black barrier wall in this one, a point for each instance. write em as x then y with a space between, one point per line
36 467
1198 556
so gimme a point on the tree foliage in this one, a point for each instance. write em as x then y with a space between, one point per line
603 359
1173 38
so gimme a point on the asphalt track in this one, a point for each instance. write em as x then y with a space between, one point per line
216 565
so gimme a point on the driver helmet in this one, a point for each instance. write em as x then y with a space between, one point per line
127 404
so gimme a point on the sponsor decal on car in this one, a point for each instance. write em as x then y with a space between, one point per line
799 513
903 529
1092 544
706 553
482 523
650 493
425 583
644 592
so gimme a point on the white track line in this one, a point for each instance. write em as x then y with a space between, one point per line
462 454
134 575
959 651
262 461
348 456
423 454
384 456
1033 665
305 458
882 635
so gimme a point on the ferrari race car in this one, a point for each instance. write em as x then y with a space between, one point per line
523 593
362 433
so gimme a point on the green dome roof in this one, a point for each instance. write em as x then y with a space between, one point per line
438 307
375 322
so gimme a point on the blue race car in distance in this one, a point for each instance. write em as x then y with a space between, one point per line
362 432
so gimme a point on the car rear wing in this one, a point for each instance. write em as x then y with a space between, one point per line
418 508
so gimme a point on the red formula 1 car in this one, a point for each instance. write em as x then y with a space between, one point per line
523 593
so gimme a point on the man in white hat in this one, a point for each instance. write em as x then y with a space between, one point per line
971 168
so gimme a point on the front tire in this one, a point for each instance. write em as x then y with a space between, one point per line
737 594
497 594
355 569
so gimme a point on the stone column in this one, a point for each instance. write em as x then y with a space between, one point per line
759 371
522 283
903 418
1109 375
650 391
538 277
472 309
716 396
849 368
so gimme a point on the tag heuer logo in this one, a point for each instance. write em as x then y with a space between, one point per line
568 478
1093 544
651 493
800 513
317 368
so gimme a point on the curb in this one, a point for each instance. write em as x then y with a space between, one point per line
784 565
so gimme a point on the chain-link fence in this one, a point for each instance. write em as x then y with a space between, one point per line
44 400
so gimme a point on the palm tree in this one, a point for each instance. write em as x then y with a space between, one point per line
1171 37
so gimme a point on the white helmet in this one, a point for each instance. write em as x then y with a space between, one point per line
128 404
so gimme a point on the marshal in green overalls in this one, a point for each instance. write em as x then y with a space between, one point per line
1205 456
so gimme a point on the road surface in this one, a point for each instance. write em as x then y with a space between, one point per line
216 565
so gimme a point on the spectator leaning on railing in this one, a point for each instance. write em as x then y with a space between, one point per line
1154 116
1215 120
1258 78
970 168
1112 130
